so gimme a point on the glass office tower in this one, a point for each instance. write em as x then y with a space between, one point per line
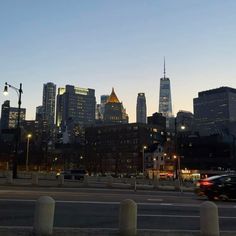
141 109
165 103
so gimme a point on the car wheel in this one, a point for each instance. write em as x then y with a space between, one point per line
223 197
211 197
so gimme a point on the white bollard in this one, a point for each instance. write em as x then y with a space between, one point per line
128 218
61 180
44 216
109 181
35 179
9 179
209 220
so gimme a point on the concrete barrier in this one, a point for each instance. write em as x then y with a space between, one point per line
177 185
44 216
109 181
133 183
61 180
35 179
156 182
128 218
209 220
86 181
9 179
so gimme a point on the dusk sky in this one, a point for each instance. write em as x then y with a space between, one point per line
102 44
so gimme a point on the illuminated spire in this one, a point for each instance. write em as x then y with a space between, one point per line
113 98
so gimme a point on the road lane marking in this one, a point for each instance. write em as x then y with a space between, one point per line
116 203
183 216
155 199
171 216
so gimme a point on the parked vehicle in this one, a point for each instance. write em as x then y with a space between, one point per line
75 174
217 187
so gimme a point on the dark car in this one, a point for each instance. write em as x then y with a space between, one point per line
217 187
75 174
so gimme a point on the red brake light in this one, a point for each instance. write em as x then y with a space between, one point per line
206 183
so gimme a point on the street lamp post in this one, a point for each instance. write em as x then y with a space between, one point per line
178 155
27 152
144 147
19 91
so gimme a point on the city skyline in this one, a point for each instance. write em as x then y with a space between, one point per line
117 44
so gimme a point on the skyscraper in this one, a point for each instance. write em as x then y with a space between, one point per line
114 111
215 111
75 104
49 96
101 107
141 109
9 116
165 104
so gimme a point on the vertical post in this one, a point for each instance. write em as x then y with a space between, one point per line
143 164
9 179
35 179
27 153
209 220
178 162
86 181
128 218
15 160
61 179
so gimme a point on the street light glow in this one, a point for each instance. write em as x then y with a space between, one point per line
5 92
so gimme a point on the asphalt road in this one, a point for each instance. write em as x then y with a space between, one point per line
99 208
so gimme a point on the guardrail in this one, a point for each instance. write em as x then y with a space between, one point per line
40 179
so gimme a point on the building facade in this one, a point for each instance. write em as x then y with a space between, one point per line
215 111
141 109
119 148
114 111
75 104
100 108
184 121
9 116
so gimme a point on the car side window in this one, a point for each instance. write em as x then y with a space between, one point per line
226 179
233 179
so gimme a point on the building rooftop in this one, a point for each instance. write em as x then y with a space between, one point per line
113 98
217 90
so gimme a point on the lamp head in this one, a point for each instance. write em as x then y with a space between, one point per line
5 92
29 135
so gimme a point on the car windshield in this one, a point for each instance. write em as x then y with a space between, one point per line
213 177
78 171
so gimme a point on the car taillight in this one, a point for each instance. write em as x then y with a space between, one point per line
206 183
